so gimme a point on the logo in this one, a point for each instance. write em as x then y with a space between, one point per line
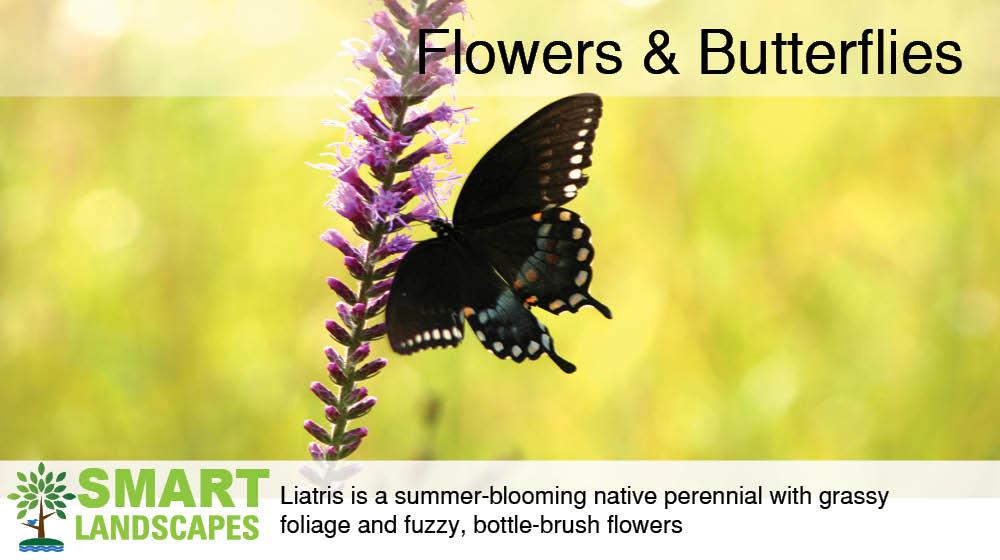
40 496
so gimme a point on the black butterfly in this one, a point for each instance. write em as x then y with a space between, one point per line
511 245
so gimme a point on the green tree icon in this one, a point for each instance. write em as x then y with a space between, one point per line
44 491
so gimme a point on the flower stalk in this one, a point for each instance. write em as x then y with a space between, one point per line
387 178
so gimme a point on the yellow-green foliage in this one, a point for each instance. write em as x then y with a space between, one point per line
791 278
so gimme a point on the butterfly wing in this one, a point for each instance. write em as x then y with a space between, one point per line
537 165
440 284
426 298
545 258
508 329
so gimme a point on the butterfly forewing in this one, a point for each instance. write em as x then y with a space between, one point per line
537 165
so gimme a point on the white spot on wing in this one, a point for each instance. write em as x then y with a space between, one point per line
575 299
581 279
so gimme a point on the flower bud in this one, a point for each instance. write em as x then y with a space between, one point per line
346 450
336 373
356 395
356 433
323 393
338 332
341 290
362 109
358 312
361 353
371 369
352 178
435 146
398 12
315 451
332 414
377 305
375 332
388 268
355 267
361 408
344 311
338 241
333 356
379 288
317 431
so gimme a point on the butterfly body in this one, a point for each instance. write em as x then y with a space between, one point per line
510 248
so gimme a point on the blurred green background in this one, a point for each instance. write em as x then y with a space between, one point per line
791 278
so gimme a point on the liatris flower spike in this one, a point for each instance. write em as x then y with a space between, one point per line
388 175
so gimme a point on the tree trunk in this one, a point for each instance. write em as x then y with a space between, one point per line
41 519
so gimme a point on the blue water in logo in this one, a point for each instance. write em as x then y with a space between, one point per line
41 548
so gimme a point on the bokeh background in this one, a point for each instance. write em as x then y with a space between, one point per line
791 278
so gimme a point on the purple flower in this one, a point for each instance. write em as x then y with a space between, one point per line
380 188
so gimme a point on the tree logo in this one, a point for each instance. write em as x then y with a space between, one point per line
46 492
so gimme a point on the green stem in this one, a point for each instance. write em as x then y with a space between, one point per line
374 240
374 244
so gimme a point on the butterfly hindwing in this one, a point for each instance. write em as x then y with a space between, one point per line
440 284
545 258
537 165
426 298
508 329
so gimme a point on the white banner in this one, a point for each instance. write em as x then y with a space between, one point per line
775 509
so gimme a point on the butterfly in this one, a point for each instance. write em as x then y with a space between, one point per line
511 245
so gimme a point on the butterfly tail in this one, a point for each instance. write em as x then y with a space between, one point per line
565 365
604 310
